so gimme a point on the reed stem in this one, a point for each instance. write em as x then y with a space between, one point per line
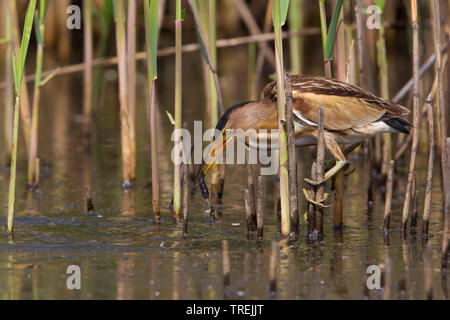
320 161
18 67
25 112
388 202
428 189
279 17
9 80
260 208
415 129
178 114
296 43
151 37
292 163
32 154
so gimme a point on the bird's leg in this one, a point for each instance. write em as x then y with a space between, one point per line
331 145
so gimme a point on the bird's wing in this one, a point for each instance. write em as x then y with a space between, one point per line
340 113
345 106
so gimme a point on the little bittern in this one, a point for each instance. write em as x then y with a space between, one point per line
351 115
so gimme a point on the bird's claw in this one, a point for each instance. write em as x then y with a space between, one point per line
314 183
318 203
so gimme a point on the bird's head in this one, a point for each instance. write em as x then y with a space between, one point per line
231 119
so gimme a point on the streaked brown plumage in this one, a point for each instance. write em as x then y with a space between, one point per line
351 115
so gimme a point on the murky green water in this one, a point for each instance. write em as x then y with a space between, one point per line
122 255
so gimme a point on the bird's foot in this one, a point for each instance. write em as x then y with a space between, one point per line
314 183
318 203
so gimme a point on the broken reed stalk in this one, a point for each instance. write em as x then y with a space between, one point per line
273 269
226 266
260 208
312 196
178 114
441 110
126 121
320 160
296 43
151 37
279 14
9 80
88 50
429 186
25 112
416 93
292 163
32 154
388 202
18 69
207 54
248 199
90 204
131 60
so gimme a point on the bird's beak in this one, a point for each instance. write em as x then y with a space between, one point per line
217 149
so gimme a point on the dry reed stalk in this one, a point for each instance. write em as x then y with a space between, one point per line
88 50
320 161
253 28
428 266
416 97
429 187
446 231
248 199
388 202
170 51
279 18
25 111
273 270
292 163
442 110
260 208
312 196
126 124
